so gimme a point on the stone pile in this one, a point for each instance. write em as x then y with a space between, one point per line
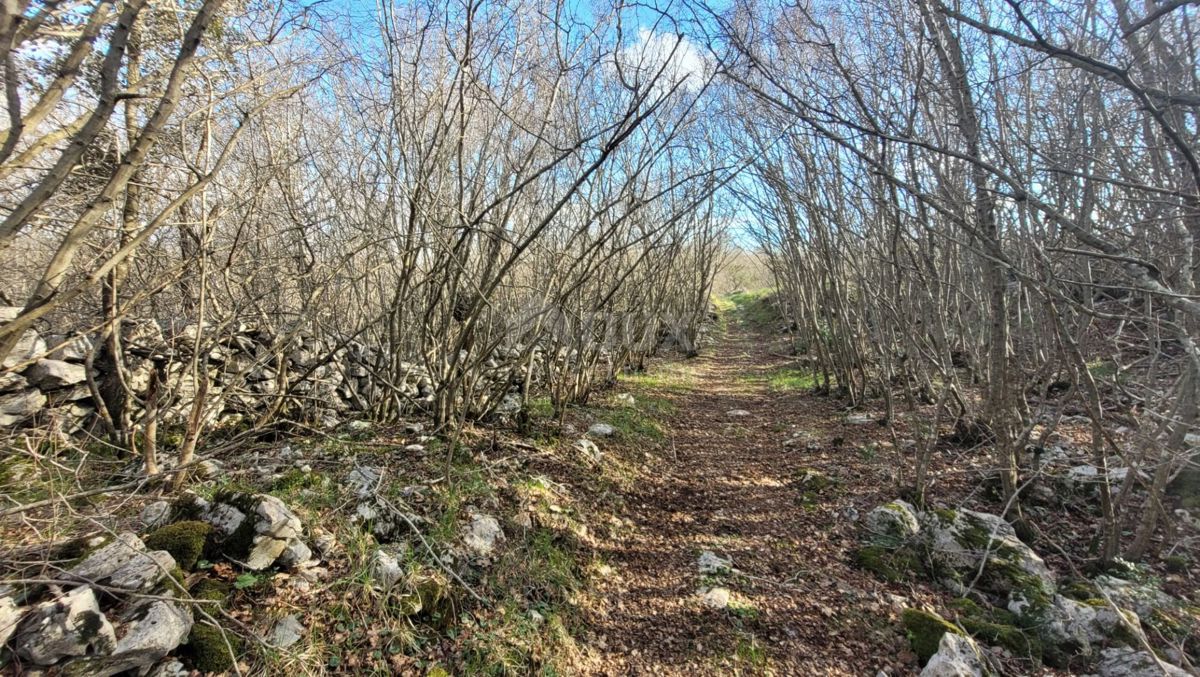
43 382
979 554
44 377
91 622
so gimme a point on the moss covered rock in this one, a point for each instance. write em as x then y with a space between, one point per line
893 564
184 540
892 523
424 593
207 651
925 630
997 627
965 544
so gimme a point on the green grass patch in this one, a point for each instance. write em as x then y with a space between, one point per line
632 424
311 491
789 378
467 485
672 377
756 308
540 407
750 652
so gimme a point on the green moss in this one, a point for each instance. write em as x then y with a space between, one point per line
425 594
925 630
750 651
997 627
206 649
1176 625
1078 589
211 589
890 564
814 480
1007 576
634 424
946 516
976 534
184 540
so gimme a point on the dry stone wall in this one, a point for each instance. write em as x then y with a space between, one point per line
43 382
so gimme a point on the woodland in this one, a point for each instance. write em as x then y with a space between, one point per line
595 337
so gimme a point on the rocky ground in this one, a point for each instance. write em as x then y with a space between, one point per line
711 516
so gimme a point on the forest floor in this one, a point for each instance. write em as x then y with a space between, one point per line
784 515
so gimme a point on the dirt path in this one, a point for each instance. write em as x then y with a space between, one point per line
799 605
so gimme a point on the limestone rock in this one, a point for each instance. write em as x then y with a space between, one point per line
737 413
601 430
29 346
358 426
1073 625
1126 662
169 669
69 626
155 514
10 382
143 571
261 525
387 523
960 540
325 543
509 405
70 349
710 562
275 526
715 598
103 563
209 469
10 616
588 448
481 536
20 405
52 374
1088 476
957 656
1141 598
295 554
286 632
363 480
893 523
152 630
386 569
225 518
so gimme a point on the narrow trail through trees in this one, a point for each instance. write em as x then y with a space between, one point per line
783 513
